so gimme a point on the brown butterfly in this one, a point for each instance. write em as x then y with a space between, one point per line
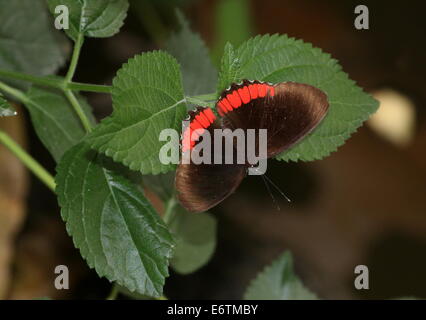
288 111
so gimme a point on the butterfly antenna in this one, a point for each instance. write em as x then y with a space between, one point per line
276 187
270 192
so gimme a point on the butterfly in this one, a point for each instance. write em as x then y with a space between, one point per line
288 111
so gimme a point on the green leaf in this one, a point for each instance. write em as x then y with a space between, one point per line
93 18
6 110
278 282
55 121
112 223
278 58
199 74
195 235
147 98
28 41
230 68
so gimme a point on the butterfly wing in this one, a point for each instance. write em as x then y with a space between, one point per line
202 186
288 111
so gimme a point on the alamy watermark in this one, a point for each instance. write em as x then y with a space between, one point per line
362 19
62 18
224 146
62 278
362 281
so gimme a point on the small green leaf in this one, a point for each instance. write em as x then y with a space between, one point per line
112 223
28 41
230 68
278 282
195 235
6 110
55 121
93 18
278 58
199 74
147 98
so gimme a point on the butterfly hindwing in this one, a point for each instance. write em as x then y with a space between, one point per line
201 186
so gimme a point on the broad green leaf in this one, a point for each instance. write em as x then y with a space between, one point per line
55 120
6 110
278 282
199 74
93 18
28 40
278 58
147 98
195 235
230 69
111 222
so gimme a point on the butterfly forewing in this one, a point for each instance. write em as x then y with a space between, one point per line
288 111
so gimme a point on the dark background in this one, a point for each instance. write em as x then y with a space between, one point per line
364 204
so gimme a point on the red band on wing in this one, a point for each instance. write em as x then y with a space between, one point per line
227 105
238 97
234 99
203 120
221 107
209 115
262 90
194 125
253 91
196 128
244 94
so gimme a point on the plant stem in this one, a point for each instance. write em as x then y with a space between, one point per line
79 110
206 97
74 59
28 161
18 94
89 87
168 212
114 292
68 78
199 102
55 82
46 81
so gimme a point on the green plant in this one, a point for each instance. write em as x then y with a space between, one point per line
100 166
278 282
